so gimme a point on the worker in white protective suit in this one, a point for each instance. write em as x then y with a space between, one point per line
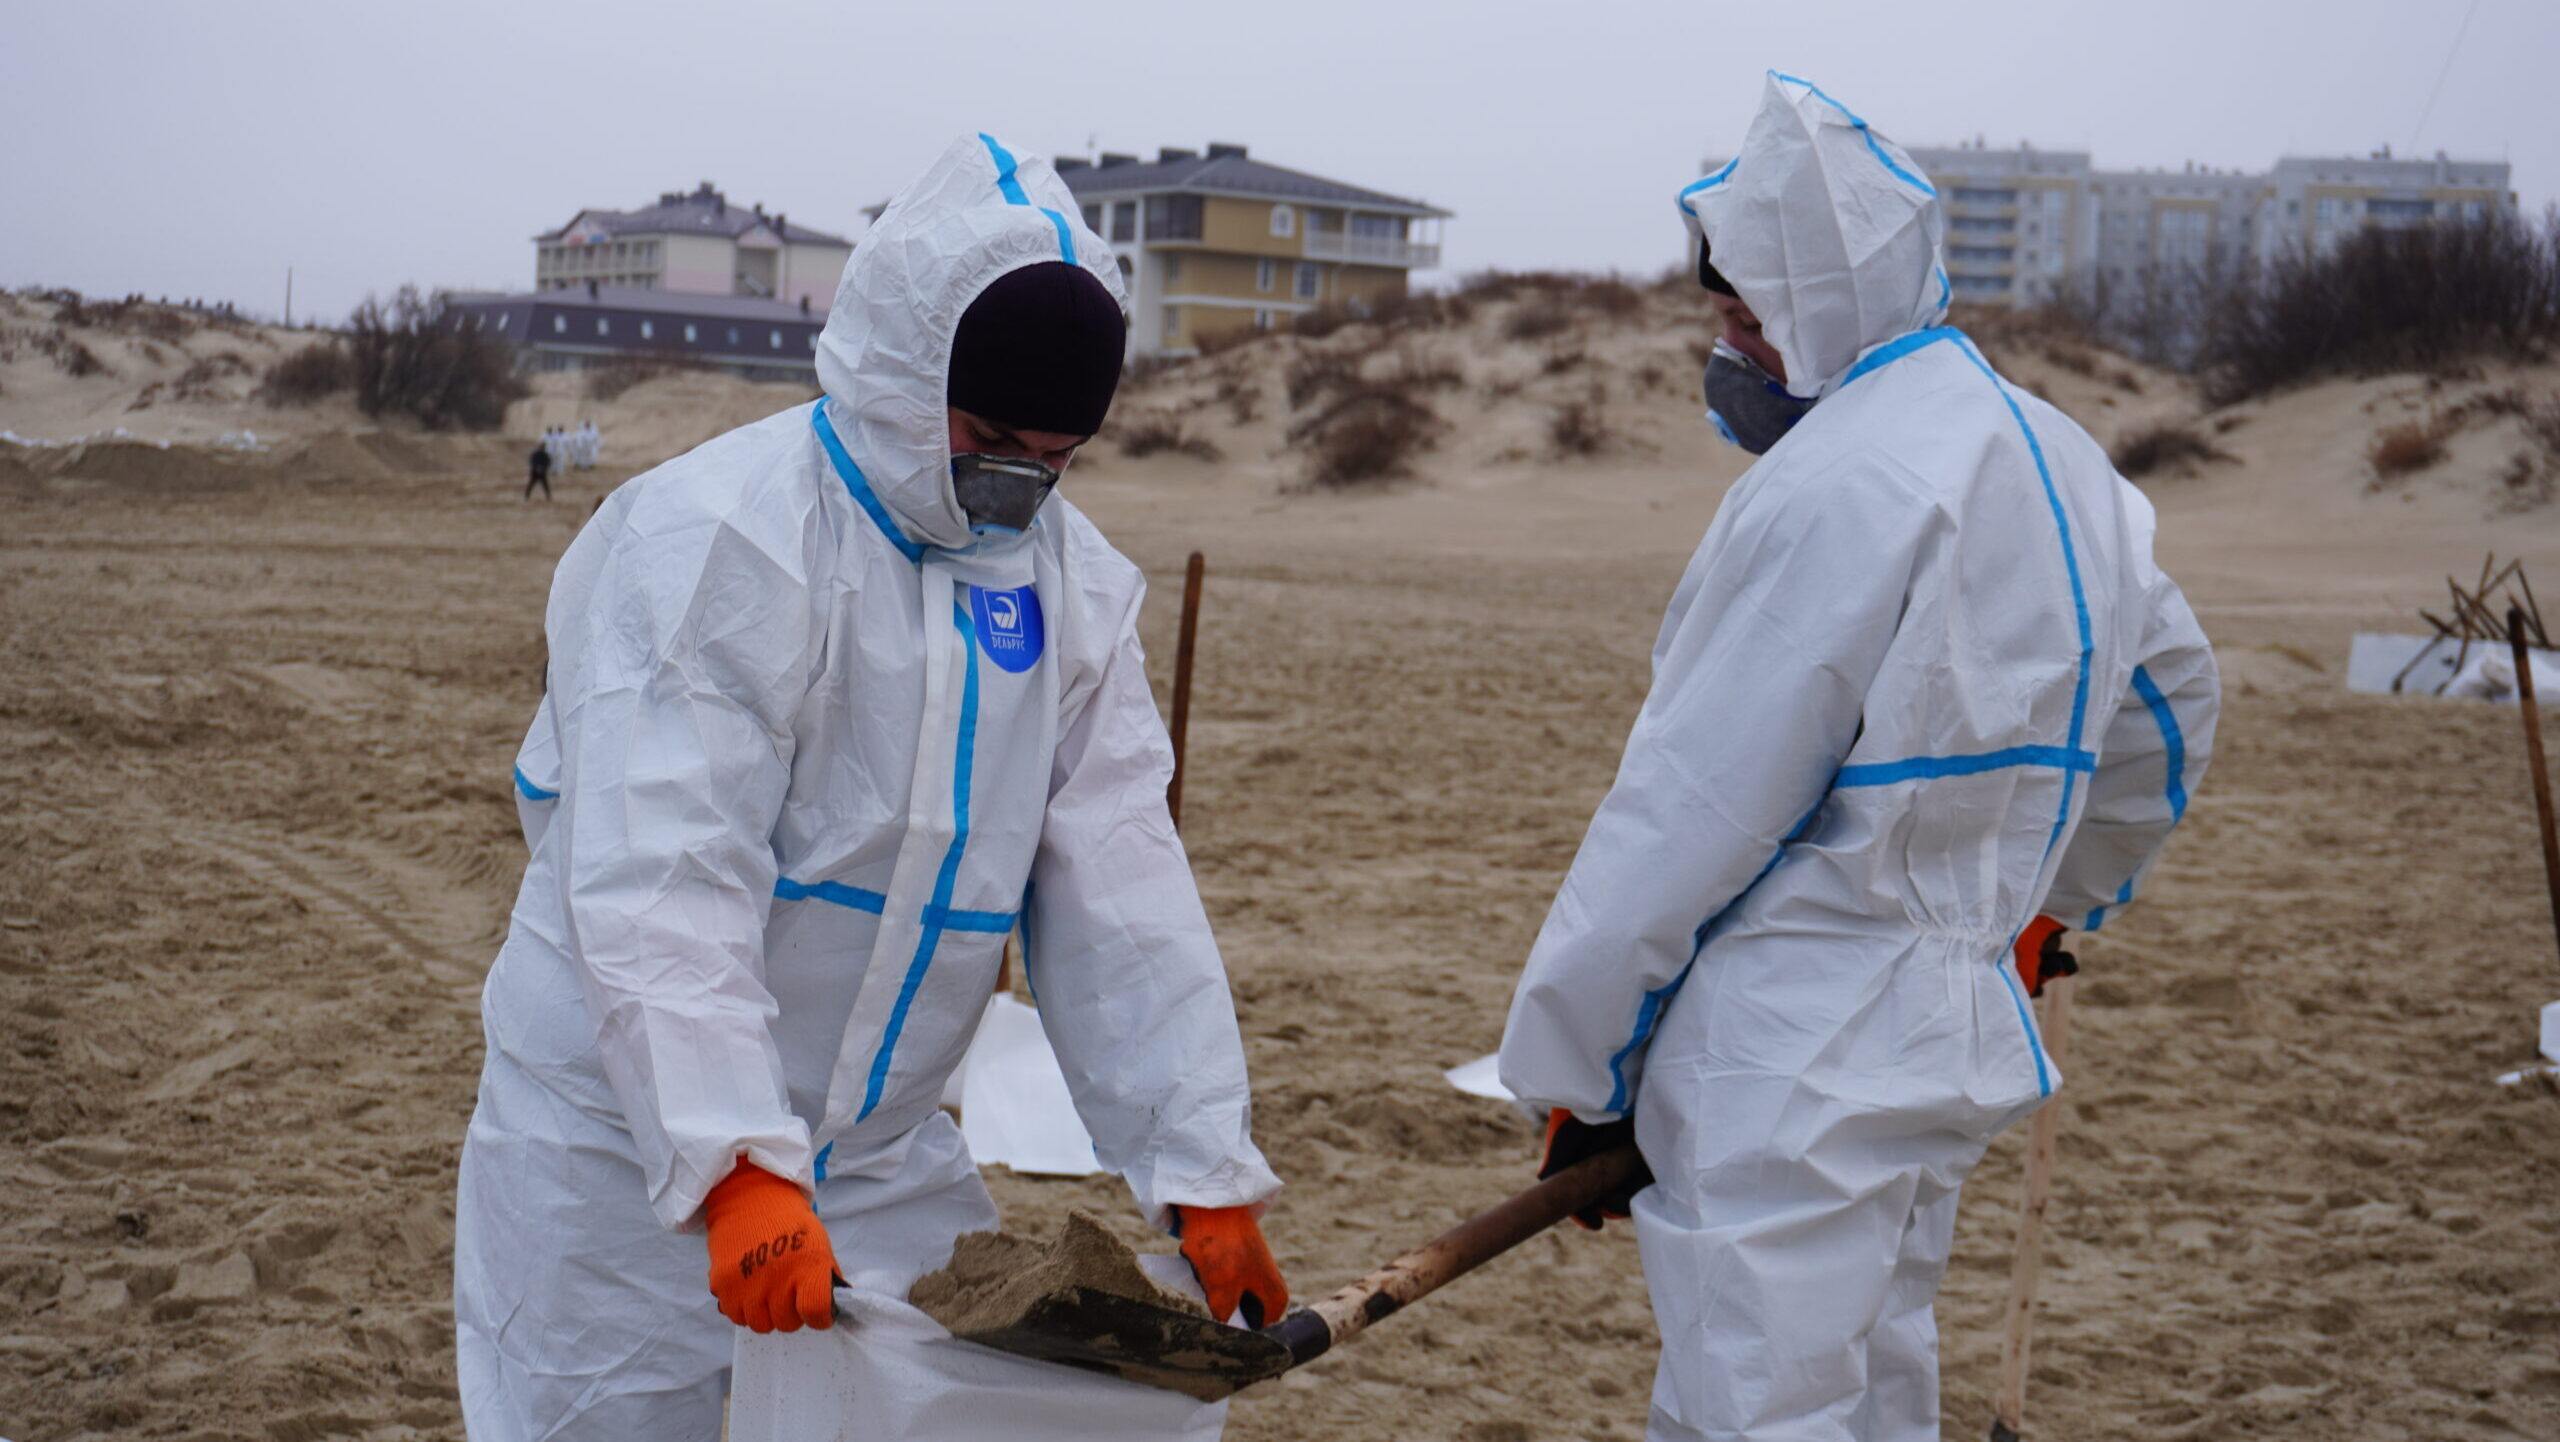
836 702
1920 686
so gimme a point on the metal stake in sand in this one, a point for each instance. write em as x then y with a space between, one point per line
2533 754
2009 1403
1192 572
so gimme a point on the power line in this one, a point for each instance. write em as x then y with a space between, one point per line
2450 52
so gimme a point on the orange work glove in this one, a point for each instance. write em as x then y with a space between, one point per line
772 1268
1226 1251
2040 957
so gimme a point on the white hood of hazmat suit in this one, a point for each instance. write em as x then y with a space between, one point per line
1921 682
810 751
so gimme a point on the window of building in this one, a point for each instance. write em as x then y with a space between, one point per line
648 330
777 340
1262 318
1971 195
1381 227
1266 273
690 335
733 335
1124 220
559 325
1174 217
1093 217
1284 221
1310 278
603 326
1172 268
1172 321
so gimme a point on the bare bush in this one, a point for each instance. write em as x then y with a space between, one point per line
1577 428
1369 433
2410 446
200 379
2152 448
1316 372
313 373
1558 361
1537 318
1423 311
607 382
1222 339
1154 432
1242 398
75 359
415 358
2427 298
1412 371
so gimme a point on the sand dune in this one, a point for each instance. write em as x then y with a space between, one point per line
256 842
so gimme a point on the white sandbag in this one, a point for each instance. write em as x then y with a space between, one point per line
887 1372
1014 1103
1480 1078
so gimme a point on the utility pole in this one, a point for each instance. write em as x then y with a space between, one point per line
288 297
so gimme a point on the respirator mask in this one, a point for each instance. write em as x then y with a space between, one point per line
1000 494
1747 404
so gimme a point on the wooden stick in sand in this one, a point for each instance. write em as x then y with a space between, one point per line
2009 1404
1191 576
2533 755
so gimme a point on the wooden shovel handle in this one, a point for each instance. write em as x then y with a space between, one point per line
1454 1253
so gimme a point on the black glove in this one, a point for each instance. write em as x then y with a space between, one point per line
1569 1141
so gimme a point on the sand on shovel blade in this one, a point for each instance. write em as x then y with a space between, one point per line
995 1277
1083 1301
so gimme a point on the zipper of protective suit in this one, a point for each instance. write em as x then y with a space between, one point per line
928 859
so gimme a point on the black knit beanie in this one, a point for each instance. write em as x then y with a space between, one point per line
1710 277
1039 350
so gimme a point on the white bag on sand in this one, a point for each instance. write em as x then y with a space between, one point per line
1014 1104
887 1371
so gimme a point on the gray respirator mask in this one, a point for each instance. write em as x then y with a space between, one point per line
1000 494
1748 405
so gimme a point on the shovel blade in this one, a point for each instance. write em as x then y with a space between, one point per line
1157 1346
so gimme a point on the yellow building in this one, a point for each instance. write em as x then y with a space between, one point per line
1219 241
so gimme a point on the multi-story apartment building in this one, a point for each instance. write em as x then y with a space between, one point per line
1220 241
2018 221
694 242
2027 226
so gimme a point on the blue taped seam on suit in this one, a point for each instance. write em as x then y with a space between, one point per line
818 1163
531 792
2171 738
1866 133
855 898
963 763
1008 183
2035 1043
1646 1016
1923 768
860 488
1681 201
1893 351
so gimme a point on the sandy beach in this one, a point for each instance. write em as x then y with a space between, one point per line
257 710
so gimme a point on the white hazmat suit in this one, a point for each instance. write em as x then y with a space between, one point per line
810 750
1921 682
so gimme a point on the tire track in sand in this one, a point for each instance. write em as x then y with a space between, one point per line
445 924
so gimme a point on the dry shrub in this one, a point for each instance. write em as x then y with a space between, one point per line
1227 338
607 382
1414 372
415 358
1560 360
1425 311
2151 448
1315 372
199 379
1152 432
1578 428
1242 398
2073 358
2428 298
1650 376
313 373
1369 433
2411 446
1324 320
76 359
1144 371
1537 318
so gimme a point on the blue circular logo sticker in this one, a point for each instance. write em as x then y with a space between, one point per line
1009 626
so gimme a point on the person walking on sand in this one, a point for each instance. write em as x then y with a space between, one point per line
1921 699
836 702
538 470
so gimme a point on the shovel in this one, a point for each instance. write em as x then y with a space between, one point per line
1187 1353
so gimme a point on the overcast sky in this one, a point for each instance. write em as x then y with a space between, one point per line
198 149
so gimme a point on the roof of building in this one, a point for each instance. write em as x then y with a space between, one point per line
661 302
701 211
1225 170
